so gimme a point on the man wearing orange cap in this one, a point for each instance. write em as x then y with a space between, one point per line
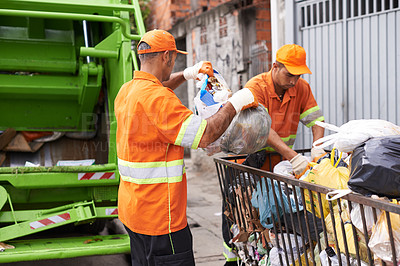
288 100
153 129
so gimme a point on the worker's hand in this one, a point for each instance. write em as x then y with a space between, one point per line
317 153
243 99
204 67
299 163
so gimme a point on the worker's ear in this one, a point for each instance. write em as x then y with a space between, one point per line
165 56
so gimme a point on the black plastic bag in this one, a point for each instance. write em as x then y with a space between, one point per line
375 167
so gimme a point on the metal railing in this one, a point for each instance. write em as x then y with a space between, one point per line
298 234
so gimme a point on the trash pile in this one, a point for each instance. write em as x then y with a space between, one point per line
365 160
32 141
248 131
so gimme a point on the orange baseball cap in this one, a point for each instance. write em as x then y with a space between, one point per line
159 41
293 56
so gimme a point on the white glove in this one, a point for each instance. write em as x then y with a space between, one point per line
317 153
243 99
299 163
201 67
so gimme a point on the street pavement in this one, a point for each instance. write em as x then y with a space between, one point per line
204 218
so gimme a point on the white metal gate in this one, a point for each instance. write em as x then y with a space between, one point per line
353 50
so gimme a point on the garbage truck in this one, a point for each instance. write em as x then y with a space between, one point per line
62 63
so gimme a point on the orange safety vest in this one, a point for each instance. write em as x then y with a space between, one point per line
153 129
298 104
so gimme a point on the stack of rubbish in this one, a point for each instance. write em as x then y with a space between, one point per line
24 141
248 131
365 159
374 171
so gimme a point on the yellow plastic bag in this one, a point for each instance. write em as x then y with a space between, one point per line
348 231
326 173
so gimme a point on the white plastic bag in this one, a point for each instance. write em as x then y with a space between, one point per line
284 168
380 242
369 217
220 95
355 132
333 258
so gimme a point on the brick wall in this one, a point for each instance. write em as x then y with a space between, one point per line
263 25
167 13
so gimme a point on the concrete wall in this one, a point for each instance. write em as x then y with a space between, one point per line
223 36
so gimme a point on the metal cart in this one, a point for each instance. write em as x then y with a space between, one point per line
297 235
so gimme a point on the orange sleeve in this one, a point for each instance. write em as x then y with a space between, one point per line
257 87
310 112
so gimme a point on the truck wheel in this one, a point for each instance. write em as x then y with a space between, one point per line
92 228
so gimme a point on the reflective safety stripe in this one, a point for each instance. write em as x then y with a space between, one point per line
151 172
191 131
289 141
310 116
228 254
312 123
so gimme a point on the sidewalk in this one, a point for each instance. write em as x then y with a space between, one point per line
204 212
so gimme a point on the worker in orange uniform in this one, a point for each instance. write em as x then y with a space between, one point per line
153 129
288 100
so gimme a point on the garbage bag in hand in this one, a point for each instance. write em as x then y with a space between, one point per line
375 167
355 132
248 131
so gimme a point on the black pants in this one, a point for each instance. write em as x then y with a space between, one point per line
170 249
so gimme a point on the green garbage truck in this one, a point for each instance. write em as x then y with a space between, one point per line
62 63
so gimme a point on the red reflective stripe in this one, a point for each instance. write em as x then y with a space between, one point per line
107 175
87 176
65 216
46 222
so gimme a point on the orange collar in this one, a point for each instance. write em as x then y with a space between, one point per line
146 76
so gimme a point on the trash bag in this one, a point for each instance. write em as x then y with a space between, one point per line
329 254
263 199
342 215
256 159
248 132
356 218
355 132
213 93
375 167
380 238
326 173
284 168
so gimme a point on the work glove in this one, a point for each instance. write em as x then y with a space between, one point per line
204 67
299 164
243 99
317 153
